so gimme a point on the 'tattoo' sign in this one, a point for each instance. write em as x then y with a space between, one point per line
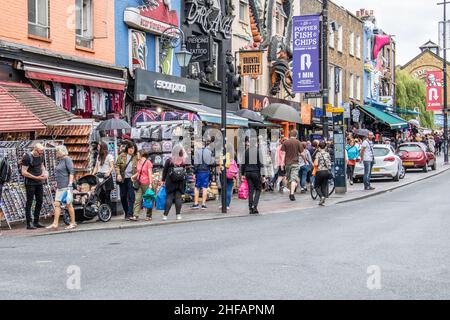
434 90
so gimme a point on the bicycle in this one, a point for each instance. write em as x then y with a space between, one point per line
314 193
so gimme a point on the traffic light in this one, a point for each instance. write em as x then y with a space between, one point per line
233 87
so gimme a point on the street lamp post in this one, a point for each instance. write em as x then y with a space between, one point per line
325 68
172 36
444 82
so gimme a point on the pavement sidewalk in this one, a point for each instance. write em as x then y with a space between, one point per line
270 203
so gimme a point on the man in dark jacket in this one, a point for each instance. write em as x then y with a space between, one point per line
251 169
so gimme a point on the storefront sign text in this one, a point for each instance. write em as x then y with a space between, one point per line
209 18
250 63
200 47
170 86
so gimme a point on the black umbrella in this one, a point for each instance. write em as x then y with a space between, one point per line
283 112
113 124
250 115
362 132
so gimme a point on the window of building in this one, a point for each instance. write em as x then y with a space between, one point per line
243 11
340 38
38 21
84 23
215 56
351 86
358 47
358 88
388 57
351 43
331 85
331 38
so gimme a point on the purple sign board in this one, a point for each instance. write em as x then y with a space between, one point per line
306 42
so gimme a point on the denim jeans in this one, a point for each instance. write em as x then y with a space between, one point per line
230 183
367 173
127 196
303 173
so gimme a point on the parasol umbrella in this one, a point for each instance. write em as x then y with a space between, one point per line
113 124
250 115
414 122
283 112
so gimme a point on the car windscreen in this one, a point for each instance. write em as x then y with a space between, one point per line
380 152
410 148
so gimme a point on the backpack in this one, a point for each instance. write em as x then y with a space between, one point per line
5 171
233 170
177 174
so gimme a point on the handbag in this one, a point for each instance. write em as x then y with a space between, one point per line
243 190
161 198
137 184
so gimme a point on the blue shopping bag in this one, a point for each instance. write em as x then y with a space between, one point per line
161 199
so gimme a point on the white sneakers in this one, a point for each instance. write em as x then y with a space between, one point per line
164 218
179 217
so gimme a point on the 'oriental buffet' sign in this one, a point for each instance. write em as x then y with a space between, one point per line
209 17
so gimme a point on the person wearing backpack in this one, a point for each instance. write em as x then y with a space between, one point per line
174 179
323 164
232 172
142 181
203 160
35 174
64 174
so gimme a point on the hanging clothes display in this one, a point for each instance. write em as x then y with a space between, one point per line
58 94
81 98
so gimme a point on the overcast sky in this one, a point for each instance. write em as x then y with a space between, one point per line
413 22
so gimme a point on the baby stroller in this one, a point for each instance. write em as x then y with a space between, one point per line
87 205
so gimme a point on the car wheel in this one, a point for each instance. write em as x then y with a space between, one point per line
434 167
397 176
402 172
425 169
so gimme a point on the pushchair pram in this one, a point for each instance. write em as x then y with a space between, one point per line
87 205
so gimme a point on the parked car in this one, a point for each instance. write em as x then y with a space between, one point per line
416 155
387 164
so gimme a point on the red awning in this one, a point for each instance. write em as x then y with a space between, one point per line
75 80
14 117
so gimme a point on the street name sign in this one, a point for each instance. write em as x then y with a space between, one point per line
306 45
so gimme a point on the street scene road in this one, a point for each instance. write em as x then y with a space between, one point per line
391 246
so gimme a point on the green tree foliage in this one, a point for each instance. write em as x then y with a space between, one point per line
411 93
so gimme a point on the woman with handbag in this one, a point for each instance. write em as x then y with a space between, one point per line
352 153
323 174
305 163
142 181
125 168
174 179
103 168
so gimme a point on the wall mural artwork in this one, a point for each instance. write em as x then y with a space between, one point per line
279 47
138 51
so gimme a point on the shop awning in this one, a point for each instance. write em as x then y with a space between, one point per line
394 122
399 110
64 75
15 117
37 103
206 114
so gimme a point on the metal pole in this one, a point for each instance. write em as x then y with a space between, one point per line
223 126
325 67
444 87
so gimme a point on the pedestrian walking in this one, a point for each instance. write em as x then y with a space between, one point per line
280 176
203 160
251 169
293 148
174 178
35 174
232 173
367 158
352 155
142 181
126 167
305 163
103 169
64 175
323 163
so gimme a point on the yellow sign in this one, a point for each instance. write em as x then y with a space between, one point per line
338 110
250 63
331 109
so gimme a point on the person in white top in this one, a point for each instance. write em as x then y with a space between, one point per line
367 159
103 169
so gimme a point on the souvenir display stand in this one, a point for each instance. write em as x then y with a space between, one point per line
13 199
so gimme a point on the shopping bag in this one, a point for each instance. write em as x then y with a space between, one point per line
161 198
243 190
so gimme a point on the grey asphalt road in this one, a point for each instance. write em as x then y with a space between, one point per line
398 243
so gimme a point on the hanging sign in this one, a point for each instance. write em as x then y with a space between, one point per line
434 90
250 63
200 47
